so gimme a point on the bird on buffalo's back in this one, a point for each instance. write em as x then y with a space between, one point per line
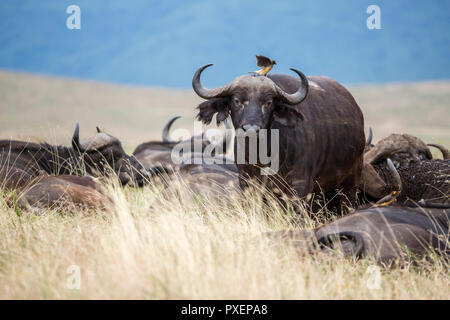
265 63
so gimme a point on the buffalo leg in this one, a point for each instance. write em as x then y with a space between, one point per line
348 195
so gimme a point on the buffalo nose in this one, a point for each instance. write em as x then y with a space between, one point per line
250 127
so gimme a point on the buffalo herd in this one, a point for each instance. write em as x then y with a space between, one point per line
390 199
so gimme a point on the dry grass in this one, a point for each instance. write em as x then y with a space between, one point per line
184 247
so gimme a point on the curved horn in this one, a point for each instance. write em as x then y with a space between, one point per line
369 138
207 93
76 138
299 95
444 150
165 134
397 179
396 143
98 129
384 149
391 197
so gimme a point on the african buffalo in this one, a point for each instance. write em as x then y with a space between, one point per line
421 176
153 153
383 233
20 161
71 193
320 125
209 178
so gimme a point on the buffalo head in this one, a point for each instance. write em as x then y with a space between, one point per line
398 147
103 151
252 101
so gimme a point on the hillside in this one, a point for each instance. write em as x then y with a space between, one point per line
41 107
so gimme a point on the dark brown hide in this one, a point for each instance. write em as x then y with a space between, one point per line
66 192
425 179
421 176
381 233
22 161
211 181
159 153
321 138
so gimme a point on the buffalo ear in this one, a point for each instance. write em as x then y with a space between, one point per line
287 115
208 108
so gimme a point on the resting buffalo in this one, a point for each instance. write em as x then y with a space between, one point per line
383 233
20 161
210 179
154 153
71 193
421 176
321 129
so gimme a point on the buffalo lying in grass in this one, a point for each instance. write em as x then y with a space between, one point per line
382 233
210 179
159 153
20 161
422 177
64 192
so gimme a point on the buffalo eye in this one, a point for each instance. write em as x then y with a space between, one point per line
237 102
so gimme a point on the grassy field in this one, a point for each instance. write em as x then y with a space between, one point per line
186 247
46 108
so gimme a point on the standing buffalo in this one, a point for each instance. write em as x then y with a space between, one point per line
421 176
321 129
20 161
